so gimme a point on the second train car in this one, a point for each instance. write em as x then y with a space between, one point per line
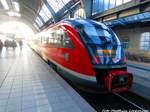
88 52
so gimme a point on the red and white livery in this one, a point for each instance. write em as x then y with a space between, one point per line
86 52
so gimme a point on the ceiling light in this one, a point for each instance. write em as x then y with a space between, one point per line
11 13
4 3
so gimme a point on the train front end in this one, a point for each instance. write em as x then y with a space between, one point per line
117 81
106 54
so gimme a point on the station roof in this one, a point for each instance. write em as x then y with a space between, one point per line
38 14
33 12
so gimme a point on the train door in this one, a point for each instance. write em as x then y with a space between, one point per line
66 52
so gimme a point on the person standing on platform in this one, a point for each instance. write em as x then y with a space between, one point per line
1 45
14 44
20 44
6 44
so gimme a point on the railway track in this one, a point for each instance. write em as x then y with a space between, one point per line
113 102
130 102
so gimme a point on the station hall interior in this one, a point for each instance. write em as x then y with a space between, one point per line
74 55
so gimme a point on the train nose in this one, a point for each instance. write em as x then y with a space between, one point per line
116 81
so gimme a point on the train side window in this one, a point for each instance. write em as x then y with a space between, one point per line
66 42
54 38
59 38
50 40
44 39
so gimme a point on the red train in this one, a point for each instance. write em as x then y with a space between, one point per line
86 52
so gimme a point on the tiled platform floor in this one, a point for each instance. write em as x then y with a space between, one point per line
28 84
141 73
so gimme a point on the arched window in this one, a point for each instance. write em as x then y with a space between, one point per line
145 41
79 13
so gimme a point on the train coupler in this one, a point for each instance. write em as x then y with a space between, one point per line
118 81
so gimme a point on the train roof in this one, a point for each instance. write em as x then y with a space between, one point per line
85 22
91 29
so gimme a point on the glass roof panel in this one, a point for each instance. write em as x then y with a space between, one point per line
42 14
112 3
45 13
118 2
36 26
57 4
39 22
125 1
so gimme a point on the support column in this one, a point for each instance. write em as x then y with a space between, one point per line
87 5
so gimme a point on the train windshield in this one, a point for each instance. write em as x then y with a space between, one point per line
97 35
101 42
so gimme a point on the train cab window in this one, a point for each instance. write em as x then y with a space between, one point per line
67 43
50 40
58 38
63 40
53 38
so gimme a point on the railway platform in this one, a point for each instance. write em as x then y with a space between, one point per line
28 84
141 80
